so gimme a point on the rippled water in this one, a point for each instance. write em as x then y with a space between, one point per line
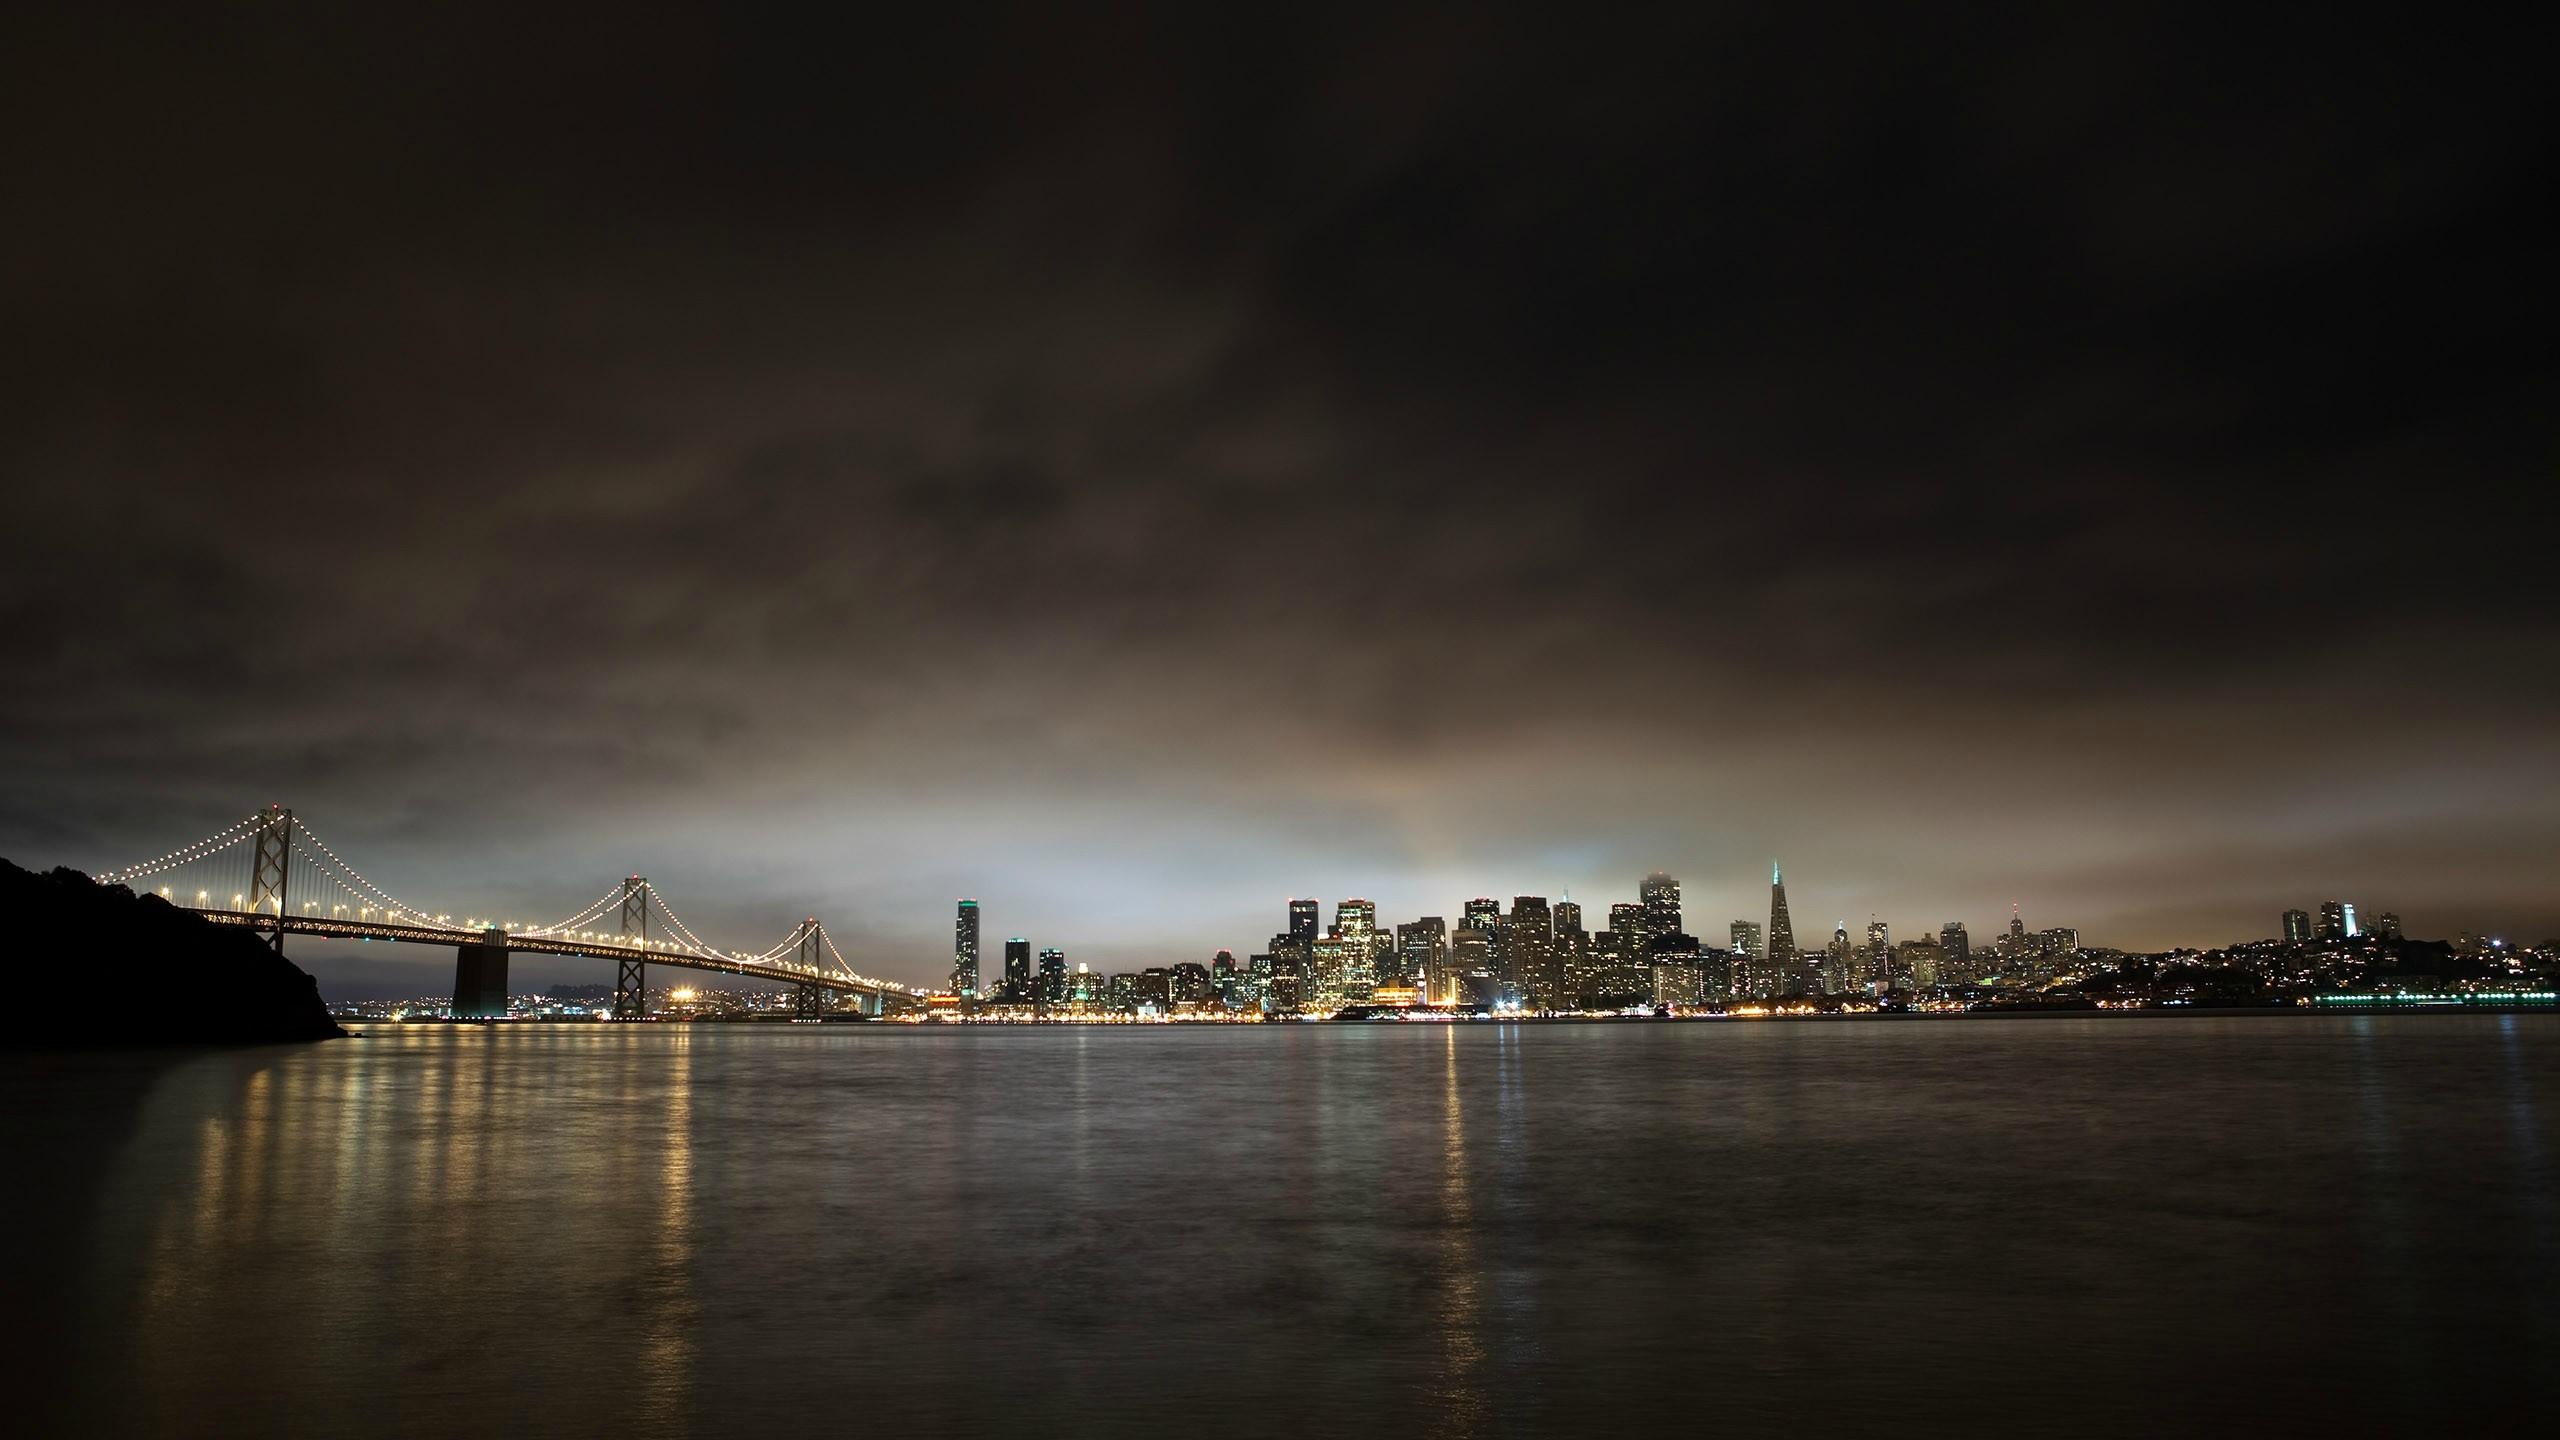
2111 1226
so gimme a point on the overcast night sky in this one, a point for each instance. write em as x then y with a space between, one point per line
1134 470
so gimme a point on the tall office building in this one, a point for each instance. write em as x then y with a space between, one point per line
1483 913
1576 952
964 951
1334 978
1627 931
1879 966
1746 939
1782 937
1660 896
1528 954
2333 920
1953 940
1368 951
1305 917
1053 975
2297 927
1470 953
1355 919
1422 956
1568 918
1017 970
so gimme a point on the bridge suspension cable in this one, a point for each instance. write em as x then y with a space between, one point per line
270 871
594 911
184 855
348 873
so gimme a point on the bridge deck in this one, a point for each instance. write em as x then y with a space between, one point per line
343 929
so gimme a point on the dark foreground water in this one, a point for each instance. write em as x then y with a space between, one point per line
2122 1226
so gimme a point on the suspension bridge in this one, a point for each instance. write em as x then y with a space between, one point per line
272 875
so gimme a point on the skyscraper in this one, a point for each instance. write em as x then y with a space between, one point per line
1782 938
1422 955
1879 966
2297 927
964 951
1355 919
2333 920
1953 940
1470 953
1576 955
1660 896
1053 975
1746 939
1305 920
1355 924
1017 970
1528 952
1483 913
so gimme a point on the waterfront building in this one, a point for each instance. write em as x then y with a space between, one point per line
1187 983
1331 979
1053 976
1677 982
1470 956
964 951
1422 955
1017 970
1528 957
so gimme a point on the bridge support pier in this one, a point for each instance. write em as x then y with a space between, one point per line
631 990
480 978
810 1003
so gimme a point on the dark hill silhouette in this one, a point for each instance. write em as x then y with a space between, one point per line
97 965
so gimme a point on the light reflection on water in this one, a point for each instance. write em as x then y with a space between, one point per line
1451 1230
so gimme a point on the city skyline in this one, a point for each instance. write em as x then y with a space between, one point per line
352 970
1132 470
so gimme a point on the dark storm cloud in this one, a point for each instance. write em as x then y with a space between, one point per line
1436 453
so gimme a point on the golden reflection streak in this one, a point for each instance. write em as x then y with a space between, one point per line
1461 1410
666 1370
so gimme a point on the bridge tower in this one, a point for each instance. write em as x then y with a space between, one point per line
631 973
271 868
810 1003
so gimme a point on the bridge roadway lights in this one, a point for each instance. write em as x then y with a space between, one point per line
480 977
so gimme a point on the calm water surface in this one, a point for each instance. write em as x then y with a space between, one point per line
2122 1227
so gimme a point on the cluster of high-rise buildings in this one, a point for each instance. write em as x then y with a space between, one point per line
1531 955
2337 922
